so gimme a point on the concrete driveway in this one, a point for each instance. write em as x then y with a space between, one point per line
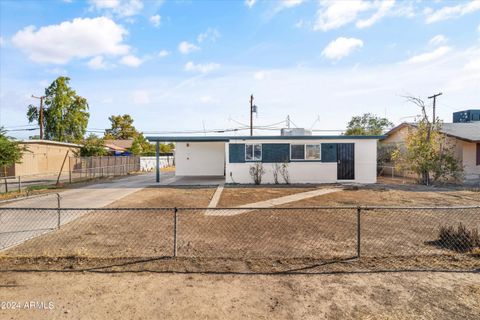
17 226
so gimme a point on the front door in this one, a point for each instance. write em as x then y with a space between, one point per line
346 161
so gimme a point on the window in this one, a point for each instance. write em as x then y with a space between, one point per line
297 152
305 152
312 152
253 152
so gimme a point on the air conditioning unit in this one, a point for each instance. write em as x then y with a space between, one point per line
295 132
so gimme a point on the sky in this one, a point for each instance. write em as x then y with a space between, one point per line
184 67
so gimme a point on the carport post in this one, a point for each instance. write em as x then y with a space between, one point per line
157 161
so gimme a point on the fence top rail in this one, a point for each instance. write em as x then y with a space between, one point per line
246 208
57 195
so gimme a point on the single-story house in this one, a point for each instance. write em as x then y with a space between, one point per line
118 147
43 157
463 136
308 159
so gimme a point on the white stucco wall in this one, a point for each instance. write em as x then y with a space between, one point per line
471 170
149 163
311 172
199 158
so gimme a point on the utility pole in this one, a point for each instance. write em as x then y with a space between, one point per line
434 97
40 114
251 115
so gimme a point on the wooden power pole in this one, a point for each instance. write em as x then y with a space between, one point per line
251 115
40 114
434 97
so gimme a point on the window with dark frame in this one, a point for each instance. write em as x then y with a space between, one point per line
253 152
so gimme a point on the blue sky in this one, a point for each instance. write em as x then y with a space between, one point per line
189 65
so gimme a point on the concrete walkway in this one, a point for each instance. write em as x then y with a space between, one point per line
216 197
17 226
272 202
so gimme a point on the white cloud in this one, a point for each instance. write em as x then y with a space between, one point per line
186 47
131 61
163 53
250 3
341 47
140 97
383 8
334 14
97 63
79 38
429 56
290 3
121 8
211 34
202 68
260 75
155 20
437 40
473 64
105 4
449 12
2 42
207 99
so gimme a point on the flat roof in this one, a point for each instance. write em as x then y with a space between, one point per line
228 138
57 143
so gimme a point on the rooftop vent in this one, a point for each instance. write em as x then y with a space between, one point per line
295 132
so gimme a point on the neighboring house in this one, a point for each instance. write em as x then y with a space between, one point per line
310 159
44 157
118 147
463 136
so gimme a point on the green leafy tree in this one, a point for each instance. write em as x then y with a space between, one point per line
65 116
426 151
367 125
11 151
93 146
122 128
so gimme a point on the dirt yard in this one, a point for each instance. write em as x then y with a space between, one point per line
316 288
437 296
323 234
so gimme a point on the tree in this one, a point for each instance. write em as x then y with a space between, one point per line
121 128
93 146
11 151
367 125
65 117
426 150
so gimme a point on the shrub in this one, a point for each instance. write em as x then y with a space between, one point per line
284 172
256 172
460 239
276 172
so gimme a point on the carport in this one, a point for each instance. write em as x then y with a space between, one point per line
195 157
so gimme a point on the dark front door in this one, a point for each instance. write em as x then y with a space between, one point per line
346 161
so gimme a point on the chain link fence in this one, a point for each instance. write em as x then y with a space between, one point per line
242 240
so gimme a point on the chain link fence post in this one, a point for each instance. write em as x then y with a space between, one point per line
59 217
175 210
359 236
